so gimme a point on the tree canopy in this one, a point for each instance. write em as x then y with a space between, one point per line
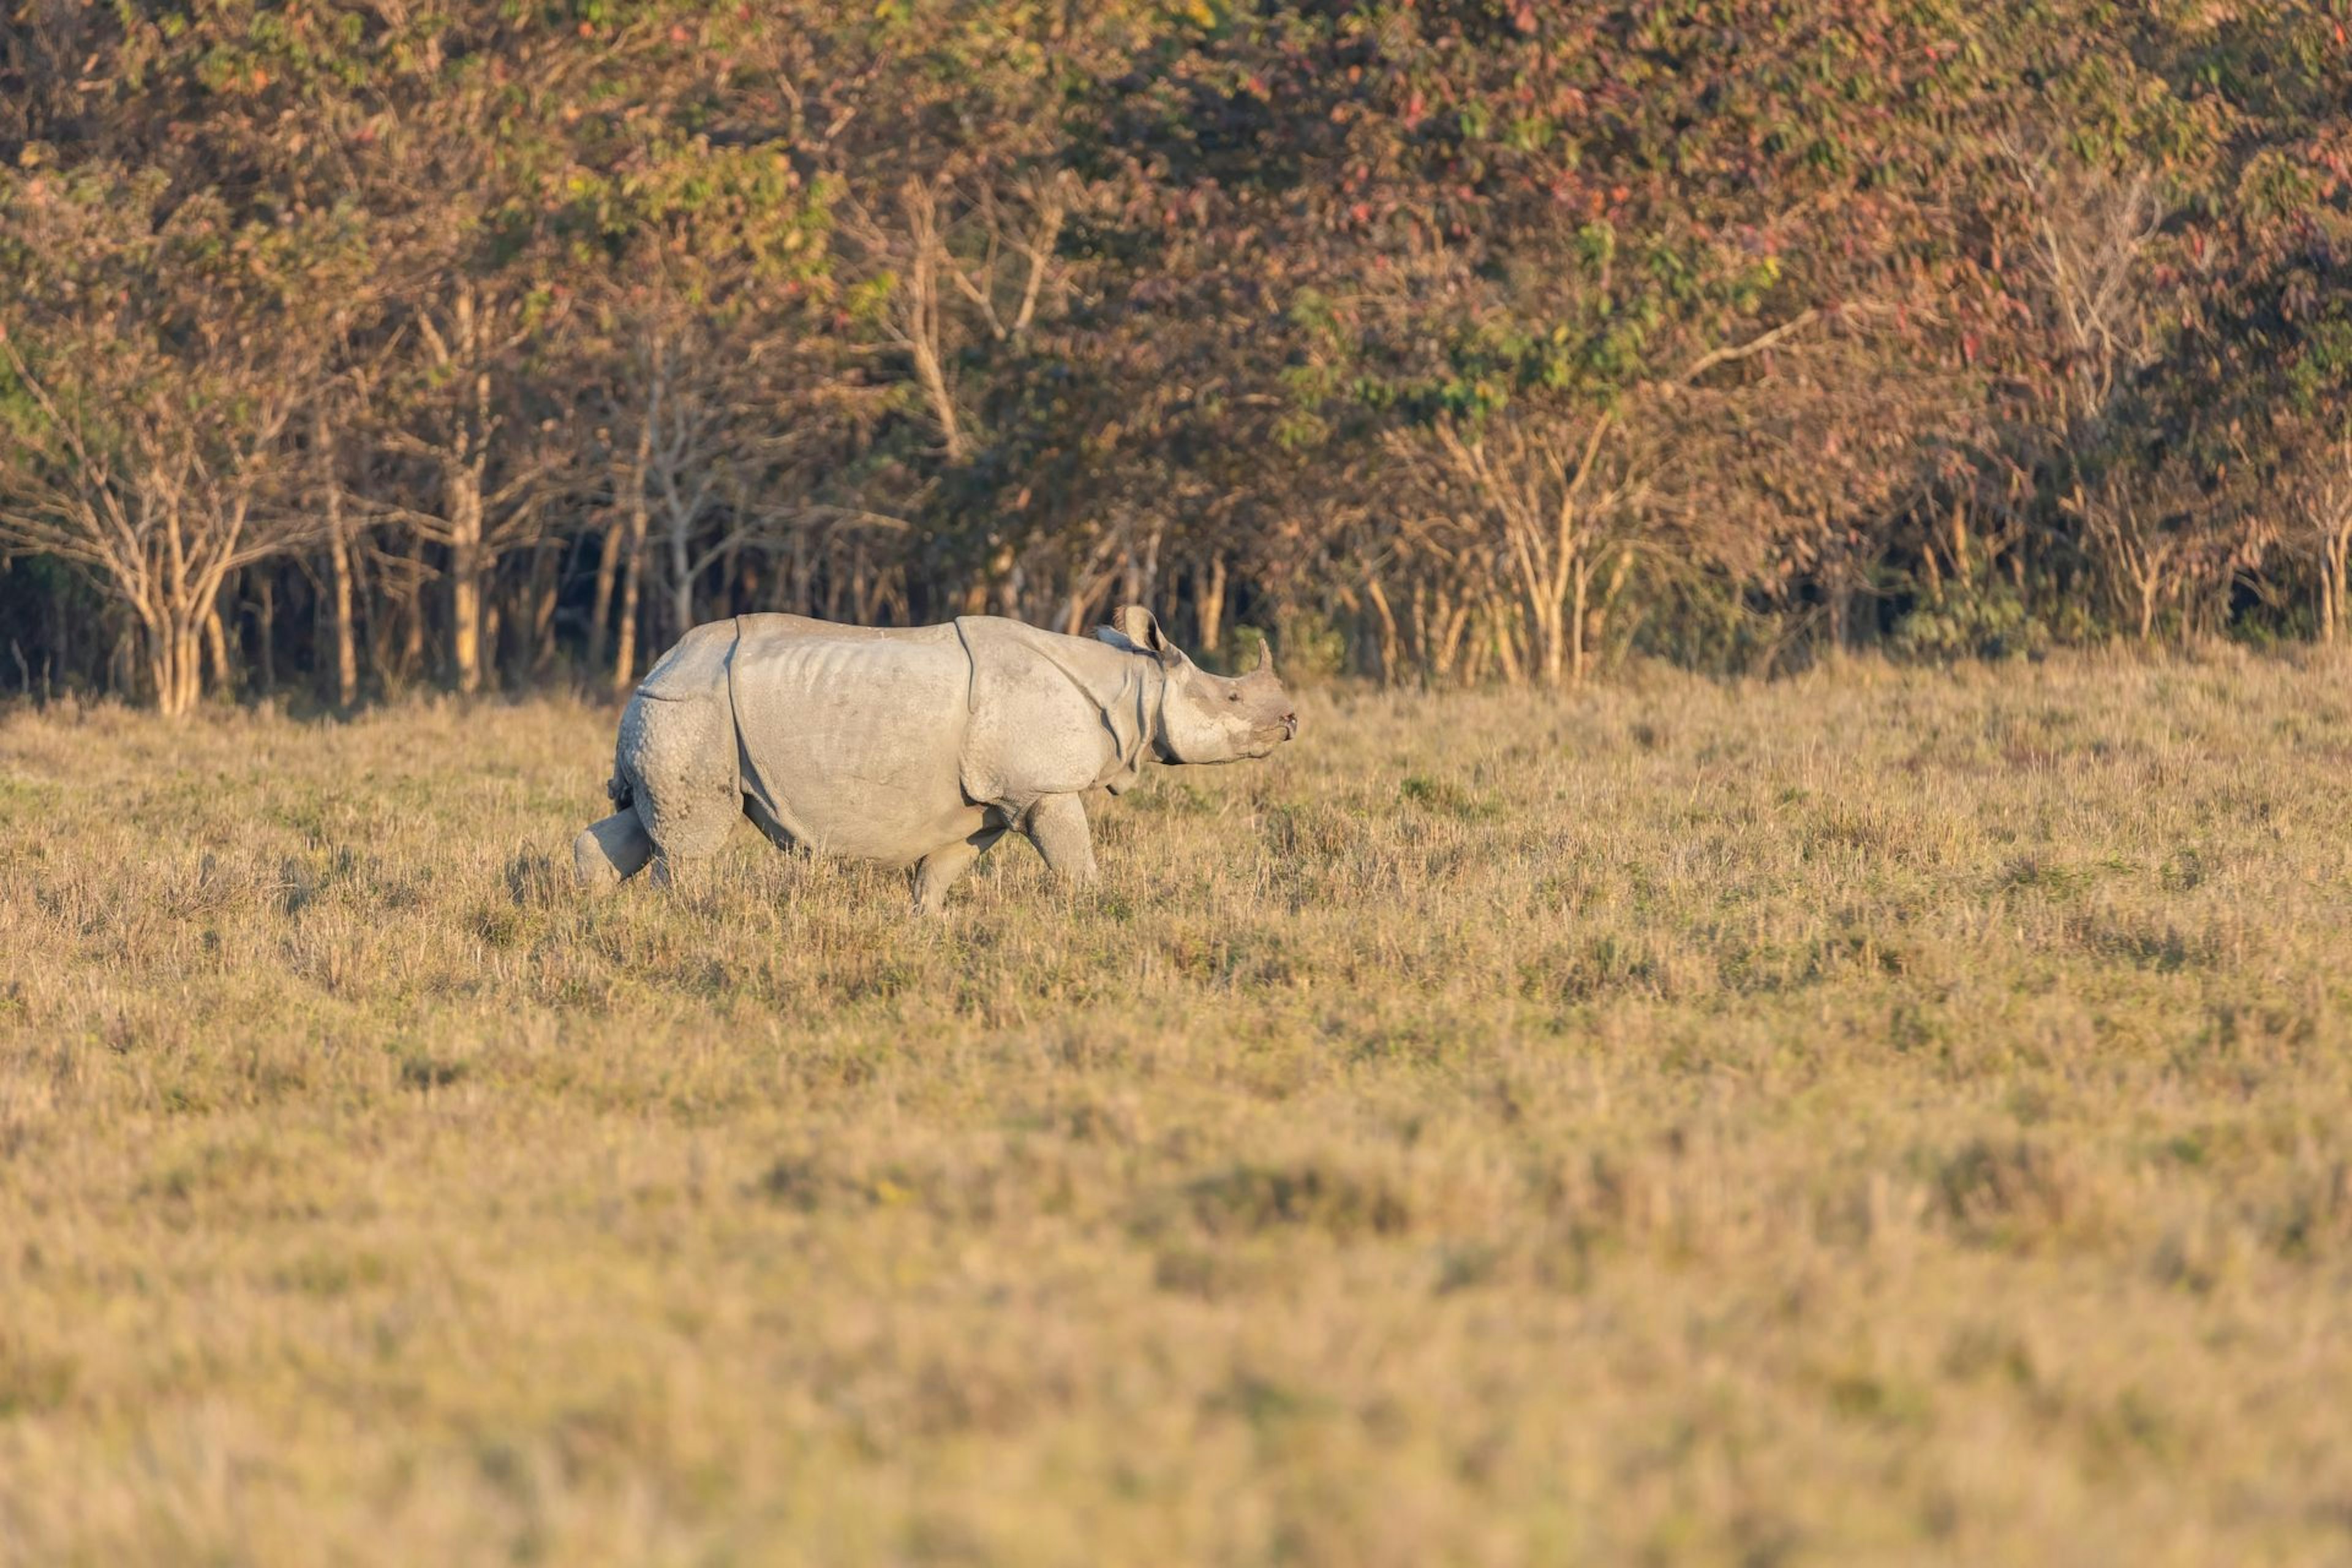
355 347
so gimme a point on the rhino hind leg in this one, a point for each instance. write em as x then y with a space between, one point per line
939 870
677 757
687 834
608 853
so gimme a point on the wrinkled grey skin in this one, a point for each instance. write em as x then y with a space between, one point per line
917 748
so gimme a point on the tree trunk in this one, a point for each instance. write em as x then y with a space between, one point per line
627 540
1577 612
160 674
1506 644
216 646
338 560
1211 606
466 615
1472 670
681 574
1422 642
164 668
2334 599
625 657
731 573
1547 615
175 652
546 577
192 685
1548 631
1593 618
794 592
1139 571
1832 581
1451 621
1378 596
411 657
338 564
266 627
463 492
991 577
600 613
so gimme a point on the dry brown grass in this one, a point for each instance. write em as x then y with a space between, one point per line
1886 1116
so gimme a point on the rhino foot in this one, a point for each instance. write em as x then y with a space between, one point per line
938 871
610 852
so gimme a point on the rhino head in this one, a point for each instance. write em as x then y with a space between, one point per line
1207 718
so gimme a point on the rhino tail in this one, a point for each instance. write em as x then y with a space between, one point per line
618 789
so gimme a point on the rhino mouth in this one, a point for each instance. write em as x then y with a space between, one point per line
1269 736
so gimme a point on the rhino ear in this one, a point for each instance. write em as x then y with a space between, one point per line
1136 625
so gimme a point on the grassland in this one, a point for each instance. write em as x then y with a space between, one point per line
1883 1116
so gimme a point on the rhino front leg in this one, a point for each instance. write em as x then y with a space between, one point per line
1057 826
939 870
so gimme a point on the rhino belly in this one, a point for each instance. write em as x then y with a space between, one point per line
850 746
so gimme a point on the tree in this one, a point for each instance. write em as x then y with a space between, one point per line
2320 501
1546 516
146 413
158 482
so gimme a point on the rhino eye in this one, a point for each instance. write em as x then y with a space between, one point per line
1232 697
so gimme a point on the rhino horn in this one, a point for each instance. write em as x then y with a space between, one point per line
1265 656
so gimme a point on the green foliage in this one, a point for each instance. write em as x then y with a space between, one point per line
1987 621
747 206
1308 647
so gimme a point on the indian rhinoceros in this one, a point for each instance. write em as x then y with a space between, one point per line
919 747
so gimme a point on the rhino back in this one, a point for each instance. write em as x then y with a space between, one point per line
849 737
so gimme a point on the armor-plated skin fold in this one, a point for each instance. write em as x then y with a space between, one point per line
916 748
